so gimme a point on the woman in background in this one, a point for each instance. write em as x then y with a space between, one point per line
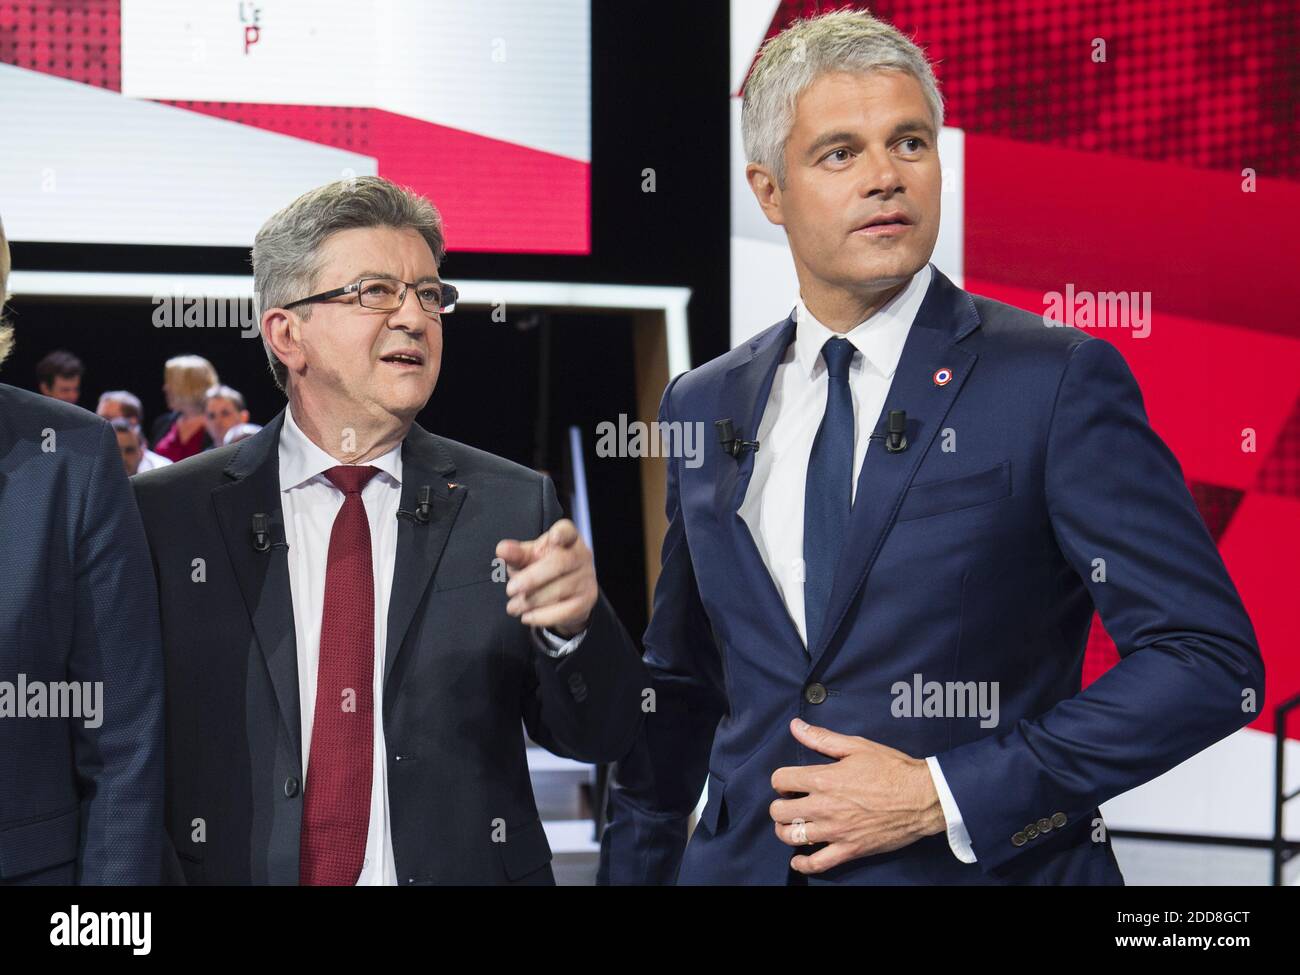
183 432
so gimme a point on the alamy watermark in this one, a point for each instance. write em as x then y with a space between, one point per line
206 311
75 928
655 439
1098 309
53 699
947 699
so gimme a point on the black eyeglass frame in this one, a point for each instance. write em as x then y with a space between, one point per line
449 295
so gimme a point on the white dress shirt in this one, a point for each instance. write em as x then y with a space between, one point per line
310 504
149 461
774 501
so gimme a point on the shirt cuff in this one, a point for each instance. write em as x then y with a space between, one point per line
958 838
554 645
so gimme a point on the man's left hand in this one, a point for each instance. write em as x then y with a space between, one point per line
552 579
872 800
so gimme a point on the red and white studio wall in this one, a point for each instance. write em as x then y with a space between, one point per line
155 122
1168 167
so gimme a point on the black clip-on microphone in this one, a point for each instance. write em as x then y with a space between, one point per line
421 513
729 441
262 534
895 435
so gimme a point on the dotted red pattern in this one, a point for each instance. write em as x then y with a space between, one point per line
1280 473
80 40
1216 505
1206 83
342 127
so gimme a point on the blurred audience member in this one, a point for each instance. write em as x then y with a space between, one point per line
130 443
58 375
119 403
240 431
224 409
182 432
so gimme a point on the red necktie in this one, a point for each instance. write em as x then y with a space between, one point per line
336 805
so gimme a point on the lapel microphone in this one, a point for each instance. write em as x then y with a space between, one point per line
423 506
729 441
895 435
262 534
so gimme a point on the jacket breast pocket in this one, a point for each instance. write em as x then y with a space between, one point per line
966 491
37 844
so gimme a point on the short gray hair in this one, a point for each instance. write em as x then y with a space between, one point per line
846 40
129 402
286 258
227 392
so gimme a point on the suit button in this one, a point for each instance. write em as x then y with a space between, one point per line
814 693
1058 819
1044 825
290 787
1031 831
1019 839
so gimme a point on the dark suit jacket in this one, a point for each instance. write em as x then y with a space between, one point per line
973 566
78 804
459 673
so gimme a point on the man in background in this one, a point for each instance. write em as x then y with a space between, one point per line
223 408
120 403
58 375
129 443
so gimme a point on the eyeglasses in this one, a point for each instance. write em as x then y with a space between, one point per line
387 294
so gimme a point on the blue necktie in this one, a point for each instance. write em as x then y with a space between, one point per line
828 496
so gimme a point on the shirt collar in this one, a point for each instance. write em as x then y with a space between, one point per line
880 338
301 460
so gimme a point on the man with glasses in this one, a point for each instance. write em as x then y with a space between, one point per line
347 664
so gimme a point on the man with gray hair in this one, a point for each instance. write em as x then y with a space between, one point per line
123 404
223 409
869 628
342 594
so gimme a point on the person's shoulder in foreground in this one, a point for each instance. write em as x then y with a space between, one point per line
79 606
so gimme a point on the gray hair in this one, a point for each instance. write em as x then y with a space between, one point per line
129 402
226 392
846 40
286 258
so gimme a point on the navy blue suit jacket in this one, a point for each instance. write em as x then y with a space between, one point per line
978 564
78 804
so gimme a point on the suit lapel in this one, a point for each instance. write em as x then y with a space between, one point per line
263 577
743 398
425 463
946 316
